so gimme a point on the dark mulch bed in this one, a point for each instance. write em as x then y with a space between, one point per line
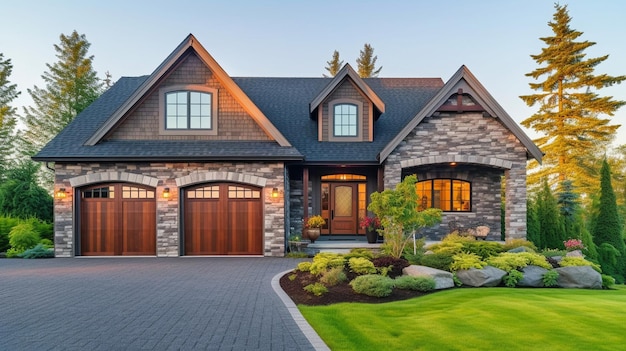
339 293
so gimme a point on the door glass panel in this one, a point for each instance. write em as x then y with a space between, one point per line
362 200
343 201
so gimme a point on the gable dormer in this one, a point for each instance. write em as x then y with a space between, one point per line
346 109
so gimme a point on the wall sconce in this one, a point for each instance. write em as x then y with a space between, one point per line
275 193
61 193
452 164
166 193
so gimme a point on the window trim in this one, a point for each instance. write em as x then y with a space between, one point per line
452 193
188 88
331 120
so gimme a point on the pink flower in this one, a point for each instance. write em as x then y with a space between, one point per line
573 244
370 223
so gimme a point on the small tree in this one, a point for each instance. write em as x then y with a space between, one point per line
334 65
552 235
22 197
366 63
533 227
399 214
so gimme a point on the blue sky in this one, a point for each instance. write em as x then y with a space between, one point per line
418 38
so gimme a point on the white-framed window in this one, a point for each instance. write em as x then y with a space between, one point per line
188 110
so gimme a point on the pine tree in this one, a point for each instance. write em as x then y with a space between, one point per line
366 63
334 65
533 227
550 223
608 226
569 108
71 85
8 92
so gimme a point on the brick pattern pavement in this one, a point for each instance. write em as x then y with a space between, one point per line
209 303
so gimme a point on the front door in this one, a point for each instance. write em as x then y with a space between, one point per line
343 208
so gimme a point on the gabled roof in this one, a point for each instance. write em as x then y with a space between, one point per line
464 78
190 42
347 71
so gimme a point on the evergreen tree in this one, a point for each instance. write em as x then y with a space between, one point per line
22 197
334 65
71 85
570 210
608 226
366 63
533 227
569 108
552 235
8 92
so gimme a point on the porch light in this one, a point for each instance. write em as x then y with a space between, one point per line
166 193
452 164
61 193
275 192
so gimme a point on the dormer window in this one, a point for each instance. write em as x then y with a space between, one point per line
345 121
188 110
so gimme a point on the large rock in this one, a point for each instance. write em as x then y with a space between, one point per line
583 277
443 279
533 277
521 249
488 276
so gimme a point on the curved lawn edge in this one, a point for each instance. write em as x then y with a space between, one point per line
301 322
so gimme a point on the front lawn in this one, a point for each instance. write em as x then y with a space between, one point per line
478 319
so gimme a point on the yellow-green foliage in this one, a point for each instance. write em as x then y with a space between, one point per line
447 248
333 276
509 261
361 265
304 266
325 260
360 252
513 243
466 260
484 249
455 236
570 261
317 289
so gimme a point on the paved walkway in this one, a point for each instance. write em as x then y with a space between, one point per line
207 303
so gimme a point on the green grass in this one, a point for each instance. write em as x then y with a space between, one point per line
479 319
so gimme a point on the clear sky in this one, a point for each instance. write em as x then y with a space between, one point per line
412 38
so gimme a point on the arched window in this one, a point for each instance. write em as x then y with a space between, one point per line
188 110
451 195
345 120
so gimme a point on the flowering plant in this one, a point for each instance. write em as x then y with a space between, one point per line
573 244
370 223
315 222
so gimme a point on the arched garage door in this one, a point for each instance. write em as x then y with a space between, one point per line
223 219
117 219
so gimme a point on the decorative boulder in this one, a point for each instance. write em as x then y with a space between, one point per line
488 276
443 279
583 277
575 253
533 277
521 249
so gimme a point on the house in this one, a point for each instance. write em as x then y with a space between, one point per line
191 161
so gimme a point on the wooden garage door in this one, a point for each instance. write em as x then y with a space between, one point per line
223 219
117 219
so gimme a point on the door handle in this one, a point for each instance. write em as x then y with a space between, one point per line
332 214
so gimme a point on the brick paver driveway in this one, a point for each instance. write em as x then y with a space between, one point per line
206 303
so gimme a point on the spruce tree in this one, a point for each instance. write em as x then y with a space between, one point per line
608 226
533 228
366 63
334 65
550 223
8 92
570 110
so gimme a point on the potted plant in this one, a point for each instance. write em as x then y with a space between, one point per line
312 227
371 226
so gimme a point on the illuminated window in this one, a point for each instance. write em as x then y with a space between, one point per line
446 194
99 193
344 177
188 110
345 120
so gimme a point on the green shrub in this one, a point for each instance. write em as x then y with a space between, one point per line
447 248
515 243
372 285
326 260
466 260
360 252
23 237
45 229
550 278
389 265
407 282
361 265
317 289
455 236
304 266
456 280
438 261
39 251
297 255
47 243
607 281
6 224
553 253
484 249
13 252
570 261
333 276
511 279
509 261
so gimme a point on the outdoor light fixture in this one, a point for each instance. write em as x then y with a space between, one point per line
452 164
61 194
166 193
274 192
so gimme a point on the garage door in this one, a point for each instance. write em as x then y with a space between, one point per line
223 219
117 219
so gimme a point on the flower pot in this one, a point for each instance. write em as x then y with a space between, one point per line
312 234
372 236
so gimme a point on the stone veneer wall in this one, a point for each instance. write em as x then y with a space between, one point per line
471 139
168 175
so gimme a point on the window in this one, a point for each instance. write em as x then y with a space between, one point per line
446 194
188 110
345 120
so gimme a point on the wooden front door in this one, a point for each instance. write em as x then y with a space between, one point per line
343 208
223 219
117 219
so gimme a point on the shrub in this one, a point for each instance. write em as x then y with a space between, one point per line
515 243
324 261
47 243
511 279
360 265
392 265
484 249
607 281
509 261
45 229
13 252
550 278
466 260
360 252
372 285
570 261
39 251
6 224
553 252
333 276
447 248
424 284
317 289
23 237
438 261
304 266
455 236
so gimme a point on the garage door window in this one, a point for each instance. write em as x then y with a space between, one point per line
238 192
130 192
207 192
99 193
